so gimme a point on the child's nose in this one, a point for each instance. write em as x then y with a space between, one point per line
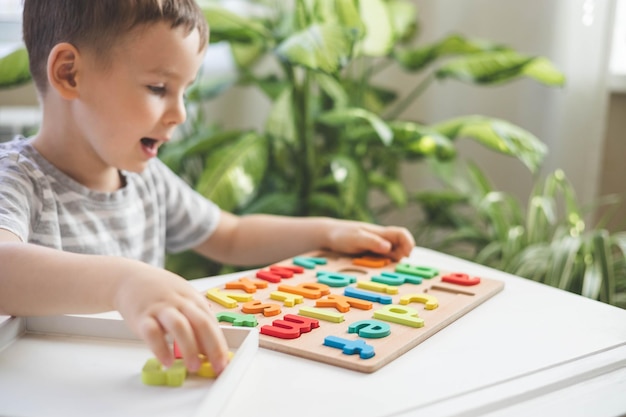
177 113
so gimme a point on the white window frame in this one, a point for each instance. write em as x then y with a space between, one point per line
617 68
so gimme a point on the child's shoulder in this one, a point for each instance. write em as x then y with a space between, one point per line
19 168
16 152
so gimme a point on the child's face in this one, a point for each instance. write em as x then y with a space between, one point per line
131 108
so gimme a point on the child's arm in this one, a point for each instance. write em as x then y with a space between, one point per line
39 281
262 239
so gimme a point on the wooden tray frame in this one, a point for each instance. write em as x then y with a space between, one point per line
452 305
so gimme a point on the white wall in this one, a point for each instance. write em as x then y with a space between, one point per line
575 34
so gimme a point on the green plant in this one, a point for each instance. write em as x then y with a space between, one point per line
333 134
14 69
547 241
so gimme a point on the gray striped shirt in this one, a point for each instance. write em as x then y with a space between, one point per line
155 212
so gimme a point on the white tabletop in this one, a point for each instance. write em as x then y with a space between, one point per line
529 350
530 347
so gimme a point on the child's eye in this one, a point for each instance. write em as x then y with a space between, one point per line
157 89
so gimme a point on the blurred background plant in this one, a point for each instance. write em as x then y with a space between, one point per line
545 240
333 142
332 136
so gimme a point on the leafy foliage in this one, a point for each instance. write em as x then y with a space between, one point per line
332 135
547 241
14 69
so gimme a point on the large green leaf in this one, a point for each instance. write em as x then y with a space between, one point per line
14 69
284 204
322 47
174 153
420 140
342 117
573 215
368 95
411 140
233 173
342 12
246 54
499 67
564 253
498 135
541 219
271 85
210 87
603 257
280 122
325 204
454 44
392 187
228 26
403 16
351 182
379 28
333 89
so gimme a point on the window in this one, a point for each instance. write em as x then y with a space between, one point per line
618 51
10 21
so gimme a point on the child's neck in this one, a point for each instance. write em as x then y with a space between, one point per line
72 162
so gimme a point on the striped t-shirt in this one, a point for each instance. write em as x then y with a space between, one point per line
153 213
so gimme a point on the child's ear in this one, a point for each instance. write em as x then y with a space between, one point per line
63 69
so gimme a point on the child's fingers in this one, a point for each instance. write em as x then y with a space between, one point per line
375 243
209 336
403 242
151 331
178 326
400 240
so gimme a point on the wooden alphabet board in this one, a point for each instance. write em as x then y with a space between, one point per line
358 313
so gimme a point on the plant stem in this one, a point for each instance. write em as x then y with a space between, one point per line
416 92
301 123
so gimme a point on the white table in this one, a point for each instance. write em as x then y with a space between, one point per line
529 350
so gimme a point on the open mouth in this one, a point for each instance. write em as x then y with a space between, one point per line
149 143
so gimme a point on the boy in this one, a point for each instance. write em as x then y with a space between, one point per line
87 210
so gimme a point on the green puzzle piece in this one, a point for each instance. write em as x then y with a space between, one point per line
420 271
154 374
237 319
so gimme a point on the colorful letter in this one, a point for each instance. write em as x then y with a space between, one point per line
399 314
420 271
343 303
256 306
370 329
367 295
288 299
318 313
430 302
311 290
375 286
237 319
308 262
246 285
394 278
350 347
335 279
460 279
291 327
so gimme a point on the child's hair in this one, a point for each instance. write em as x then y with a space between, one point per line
97 25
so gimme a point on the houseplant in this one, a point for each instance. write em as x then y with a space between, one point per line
546 240
332 135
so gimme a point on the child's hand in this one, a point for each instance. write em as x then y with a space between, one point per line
155 302
355 237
